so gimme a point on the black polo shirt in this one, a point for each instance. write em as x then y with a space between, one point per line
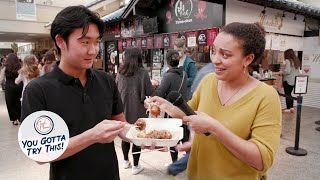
81 108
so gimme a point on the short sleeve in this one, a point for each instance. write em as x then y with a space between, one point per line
266 128
33 100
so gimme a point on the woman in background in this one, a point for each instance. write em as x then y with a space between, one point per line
28 72
13 91
291 70
49 62
134 85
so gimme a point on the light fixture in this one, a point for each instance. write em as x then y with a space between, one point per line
263 11
295 17
283 15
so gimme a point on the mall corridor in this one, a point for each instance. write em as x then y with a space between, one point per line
14 165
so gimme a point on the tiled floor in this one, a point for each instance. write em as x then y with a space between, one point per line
14 165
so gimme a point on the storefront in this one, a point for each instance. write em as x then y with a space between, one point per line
285 30
153 26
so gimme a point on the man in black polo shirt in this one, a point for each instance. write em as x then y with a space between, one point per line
85 98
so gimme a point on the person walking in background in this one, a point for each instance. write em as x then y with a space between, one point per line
28 72
134 85
242 114
12 91
188 65
291 70
49 62
174 80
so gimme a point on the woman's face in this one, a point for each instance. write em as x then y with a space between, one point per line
227 57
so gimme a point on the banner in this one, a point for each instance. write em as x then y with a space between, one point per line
26 10
192 39
150 42
158 41
138 42
211 34
144 42
173 38
166 41
202 38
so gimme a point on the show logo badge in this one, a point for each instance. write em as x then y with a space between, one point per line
183 10
43 136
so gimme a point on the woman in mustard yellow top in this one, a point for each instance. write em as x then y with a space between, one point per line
242 114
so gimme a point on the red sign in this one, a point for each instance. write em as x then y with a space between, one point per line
158 41
129 42
120 44
150 42
173 38
138 42
211 36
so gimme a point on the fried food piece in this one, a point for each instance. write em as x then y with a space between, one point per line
155 110
140 124
157 134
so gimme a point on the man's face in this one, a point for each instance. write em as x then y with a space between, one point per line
181 50
81 51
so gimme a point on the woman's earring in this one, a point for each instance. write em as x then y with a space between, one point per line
244 69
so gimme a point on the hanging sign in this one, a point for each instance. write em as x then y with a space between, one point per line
173 38
144 42
166 41
202 38
150 42
211 34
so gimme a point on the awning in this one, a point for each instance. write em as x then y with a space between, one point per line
121 13
292 6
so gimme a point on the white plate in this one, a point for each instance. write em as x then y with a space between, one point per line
170 124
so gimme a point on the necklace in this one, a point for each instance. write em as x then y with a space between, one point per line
223 104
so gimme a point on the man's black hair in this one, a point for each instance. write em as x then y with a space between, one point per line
74 17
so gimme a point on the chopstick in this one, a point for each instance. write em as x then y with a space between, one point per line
149 150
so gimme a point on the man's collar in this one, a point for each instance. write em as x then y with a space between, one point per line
67 79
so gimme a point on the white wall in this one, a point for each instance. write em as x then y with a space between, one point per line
272 21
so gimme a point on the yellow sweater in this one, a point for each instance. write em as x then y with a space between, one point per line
255 117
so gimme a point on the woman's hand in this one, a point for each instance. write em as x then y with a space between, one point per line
162 103
200 123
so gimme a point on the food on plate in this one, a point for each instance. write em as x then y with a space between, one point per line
156 134
140 124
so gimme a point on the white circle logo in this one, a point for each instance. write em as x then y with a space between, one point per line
43 136
43 125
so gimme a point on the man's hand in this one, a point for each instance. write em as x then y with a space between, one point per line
106 131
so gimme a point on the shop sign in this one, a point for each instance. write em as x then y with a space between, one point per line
124 44
158 41
138 42
192 39
211 34
150 42
182 15
166 41
202 38
129 42
144 42
120 45
173 38
132 27
26 10
113 30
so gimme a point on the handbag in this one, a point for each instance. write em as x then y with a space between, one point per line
182 81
